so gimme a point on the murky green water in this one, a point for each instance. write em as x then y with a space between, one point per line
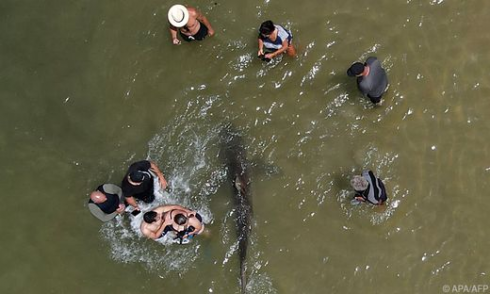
90 86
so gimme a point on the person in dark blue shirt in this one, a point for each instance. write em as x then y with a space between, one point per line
106 202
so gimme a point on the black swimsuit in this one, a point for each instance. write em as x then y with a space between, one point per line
199 36
189 229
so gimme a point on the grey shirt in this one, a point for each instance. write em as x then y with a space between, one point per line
376 191
374 84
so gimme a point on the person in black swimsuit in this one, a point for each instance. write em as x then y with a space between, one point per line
184 223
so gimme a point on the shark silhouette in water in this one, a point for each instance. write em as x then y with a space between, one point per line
234 156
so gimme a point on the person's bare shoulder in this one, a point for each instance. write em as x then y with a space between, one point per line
143 228
160 209
193 12
193 221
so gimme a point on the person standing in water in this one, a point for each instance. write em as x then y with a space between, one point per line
274 40
372 80
369 188
189 22
137 184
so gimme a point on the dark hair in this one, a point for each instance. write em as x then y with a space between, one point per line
149 217
180 219
139 176
267 27
355 69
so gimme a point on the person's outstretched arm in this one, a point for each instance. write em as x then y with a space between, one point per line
131 201
159 174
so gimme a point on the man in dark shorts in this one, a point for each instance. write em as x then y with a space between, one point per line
138 182
372 80
189 22
369 188
106 202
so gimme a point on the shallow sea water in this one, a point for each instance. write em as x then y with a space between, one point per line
90 86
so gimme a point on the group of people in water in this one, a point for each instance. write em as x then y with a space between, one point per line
179 222
274 40
192 25
137 186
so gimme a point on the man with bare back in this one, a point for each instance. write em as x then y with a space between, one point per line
182 222
189 22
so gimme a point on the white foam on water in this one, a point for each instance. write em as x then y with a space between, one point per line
129 246
186 167
183 151
260 283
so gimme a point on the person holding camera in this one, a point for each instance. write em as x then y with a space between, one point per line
183 223
274 40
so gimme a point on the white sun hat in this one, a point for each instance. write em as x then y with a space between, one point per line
178 15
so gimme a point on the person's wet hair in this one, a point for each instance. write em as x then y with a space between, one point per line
150 217
180 219
267 27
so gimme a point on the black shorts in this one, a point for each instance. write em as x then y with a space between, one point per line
147 198
374 99
199 36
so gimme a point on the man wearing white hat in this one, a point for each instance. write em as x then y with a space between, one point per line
189 22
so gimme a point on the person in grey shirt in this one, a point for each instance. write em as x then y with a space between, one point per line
369 188
372 80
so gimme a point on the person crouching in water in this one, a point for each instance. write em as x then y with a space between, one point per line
369 188
274 40
106 202
183 223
